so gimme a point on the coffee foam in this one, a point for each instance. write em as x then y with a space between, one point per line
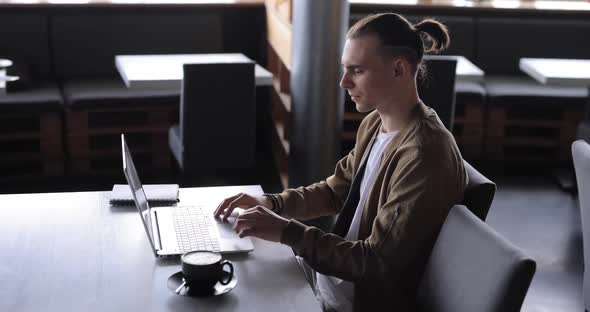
201 258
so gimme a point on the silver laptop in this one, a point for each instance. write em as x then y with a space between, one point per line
178 229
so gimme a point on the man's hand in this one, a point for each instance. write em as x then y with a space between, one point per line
240 200
262 223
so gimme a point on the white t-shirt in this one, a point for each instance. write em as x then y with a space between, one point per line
336 292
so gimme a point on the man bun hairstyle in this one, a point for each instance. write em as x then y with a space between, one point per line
397 34
436 33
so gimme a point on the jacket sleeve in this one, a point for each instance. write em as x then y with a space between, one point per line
322 198
422 189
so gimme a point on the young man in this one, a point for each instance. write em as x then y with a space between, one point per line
392 192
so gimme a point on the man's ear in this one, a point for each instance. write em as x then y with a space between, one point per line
399 67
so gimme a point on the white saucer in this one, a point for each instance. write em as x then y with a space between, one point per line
175 281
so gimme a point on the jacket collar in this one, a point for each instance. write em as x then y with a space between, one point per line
419 112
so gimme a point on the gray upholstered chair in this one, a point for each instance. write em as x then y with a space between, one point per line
581 156
479 193
217 118
473 268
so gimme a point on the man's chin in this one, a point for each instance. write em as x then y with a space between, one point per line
363 108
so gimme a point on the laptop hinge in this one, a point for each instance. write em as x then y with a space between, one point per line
156 231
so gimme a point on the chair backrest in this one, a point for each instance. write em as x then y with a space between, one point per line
581 156
218 116
479 193
473 268
437 88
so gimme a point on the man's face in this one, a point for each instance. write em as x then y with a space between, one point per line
368 76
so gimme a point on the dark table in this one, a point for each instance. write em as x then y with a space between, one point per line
75 252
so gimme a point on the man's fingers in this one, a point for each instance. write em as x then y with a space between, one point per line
240 224
252 214
225 203
257 211
260 222
244 226
246 232
242 201
231 206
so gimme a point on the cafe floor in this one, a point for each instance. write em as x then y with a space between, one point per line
537 216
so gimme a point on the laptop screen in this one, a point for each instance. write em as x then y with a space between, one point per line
137 190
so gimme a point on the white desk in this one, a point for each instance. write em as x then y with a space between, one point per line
75 252
165 70
4 79
570 72
466 71
4 63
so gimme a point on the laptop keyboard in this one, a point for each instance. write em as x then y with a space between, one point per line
192 229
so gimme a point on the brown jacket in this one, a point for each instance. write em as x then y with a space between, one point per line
420 177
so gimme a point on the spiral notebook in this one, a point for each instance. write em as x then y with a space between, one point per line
165 194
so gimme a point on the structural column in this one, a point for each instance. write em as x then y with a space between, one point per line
319 29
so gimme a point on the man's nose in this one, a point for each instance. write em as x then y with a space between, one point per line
345 82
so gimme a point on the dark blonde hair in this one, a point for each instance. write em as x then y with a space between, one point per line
398 36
